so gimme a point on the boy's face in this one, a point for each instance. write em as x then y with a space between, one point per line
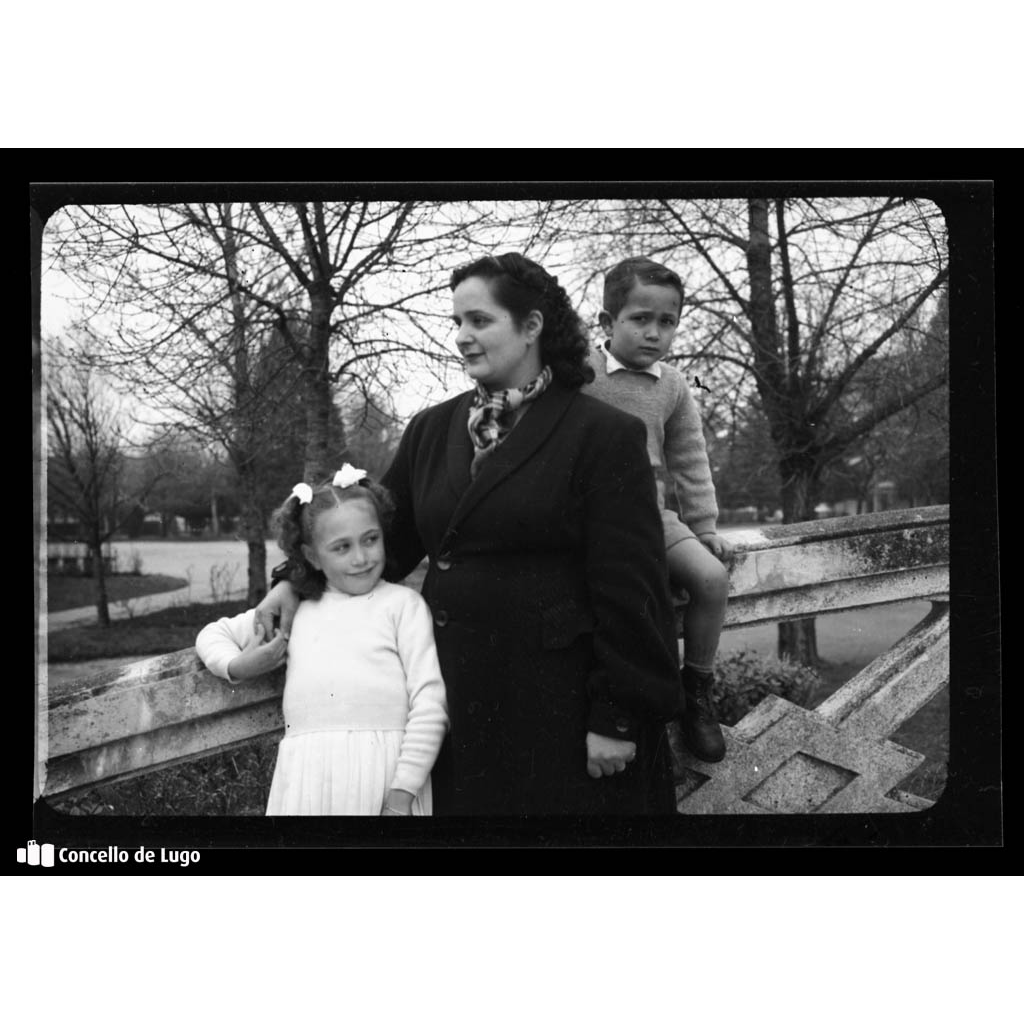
643 330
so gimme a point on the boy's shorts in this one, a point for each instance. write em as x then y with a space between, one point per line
675 529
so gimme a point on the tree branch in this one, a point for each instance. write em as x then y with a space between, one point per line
792 324
843 438
842 381
823 323
734 294
279 247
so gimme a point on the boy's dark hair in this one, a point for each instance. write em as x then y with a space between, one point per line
521 286
620 280
293 524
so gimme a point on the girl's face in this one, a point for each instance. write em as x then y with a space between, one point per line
348 546
496 353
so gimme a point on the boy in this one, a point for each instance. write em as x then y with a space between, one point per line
642 304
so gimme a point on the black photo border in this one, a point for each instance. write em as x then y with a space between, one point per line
968 814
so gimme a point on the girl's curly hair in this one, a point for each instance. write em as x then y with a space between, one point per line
521 286
293 525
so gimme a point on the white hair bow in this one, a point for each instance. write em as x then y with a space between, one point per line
303 492
347 476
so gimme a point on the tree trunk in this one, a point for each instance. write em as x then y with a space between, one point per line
95 546
253 529
214 519
798 638
778 385
257 571
317 387
798 641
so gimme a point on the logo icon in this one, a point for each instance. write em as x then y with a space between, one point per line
35 854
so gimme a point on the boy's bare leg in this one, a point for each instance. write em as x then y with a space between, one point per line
706 580
692 567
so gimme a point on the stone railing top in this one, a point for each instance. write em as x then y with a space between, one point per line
803 569
817 530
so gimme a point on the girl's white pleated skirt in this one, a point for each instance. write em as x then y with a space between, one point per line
338 772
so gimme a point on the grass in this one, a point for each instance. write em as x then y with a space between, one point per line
926 731
63 592
160 632
232 783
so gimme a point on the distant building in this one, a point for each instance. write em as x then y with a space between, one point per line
883 497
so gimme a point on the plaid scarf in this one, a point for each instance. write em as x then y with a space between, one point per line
492 414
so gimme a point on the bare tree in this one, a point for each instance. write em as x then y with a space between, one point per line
227 314
794 304
87 478
911 447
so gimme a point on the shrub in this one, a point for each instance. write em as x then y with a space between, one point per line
743 679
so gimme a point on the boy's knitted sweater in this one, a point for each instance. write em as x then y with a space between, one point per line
675 438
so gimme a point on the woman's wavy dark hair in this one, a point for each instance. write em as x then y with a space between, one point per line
521 286
293 525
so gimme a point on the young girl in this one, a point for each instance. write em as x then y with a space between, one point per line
364 702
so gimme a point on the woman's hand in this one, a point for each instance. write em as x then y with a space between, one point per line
397 804
606 756
259 658
283 601
718 546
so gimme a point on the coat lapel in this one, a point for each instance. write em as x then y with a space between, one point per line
526 437
460 447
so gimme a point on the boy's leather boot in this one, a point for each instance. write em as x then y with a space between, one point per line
698 724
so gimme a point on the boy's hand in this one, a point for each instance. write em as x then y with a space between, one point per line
282 600
259 658
718 546
606 756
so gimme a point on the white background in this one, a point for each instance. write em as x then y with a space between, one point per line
682 950
471 76
499 950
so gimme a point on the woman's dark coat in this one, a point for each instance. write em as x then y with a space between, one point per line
552 615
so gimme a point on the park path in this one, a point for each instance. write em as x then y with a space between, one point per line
215 569
209 566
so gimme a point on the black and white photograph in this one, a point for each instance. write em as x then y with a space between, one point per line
540 514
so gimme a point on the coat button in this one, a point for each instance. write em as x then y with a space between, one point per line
621 725
443 564
441 617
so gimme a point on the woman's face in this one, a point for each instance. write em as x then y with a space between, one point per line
495 352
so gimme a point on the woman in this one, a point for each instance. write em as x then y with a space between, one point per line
536 506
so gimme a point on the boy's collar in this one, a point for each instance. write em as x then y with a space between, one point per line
654 370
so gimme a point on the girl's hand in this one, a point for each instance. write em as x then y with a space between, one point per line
259 658
606 756
397 804
283 601
718 546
